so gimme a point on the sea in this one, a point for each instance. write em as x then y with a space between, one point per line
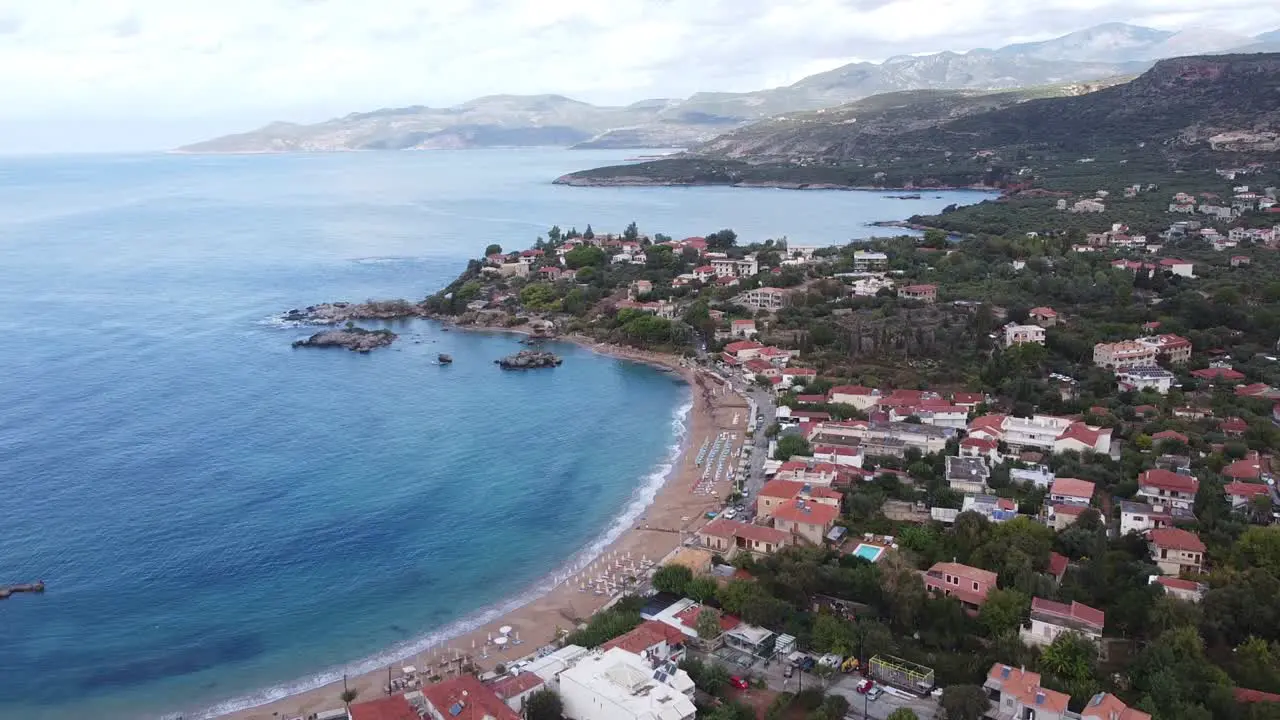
221 519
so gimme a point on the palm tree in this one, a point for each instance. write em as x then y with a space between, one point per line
348 694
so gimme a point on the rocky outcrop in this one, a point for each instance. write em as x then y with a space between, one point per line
529 360
355 339
341 312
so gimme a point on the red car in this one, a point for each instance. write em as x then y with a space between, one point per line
739 683
864 686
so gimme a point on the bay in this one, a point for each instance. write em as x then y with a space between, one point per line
217 514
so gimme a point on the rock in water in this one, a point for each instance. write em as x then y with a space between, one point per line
354 339
529 360
444 359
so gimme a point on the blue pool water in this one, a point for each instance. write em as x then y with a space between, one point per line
221 518
870 553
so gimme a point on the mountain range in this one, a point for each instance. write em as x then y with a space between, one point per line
1102 51
1190 113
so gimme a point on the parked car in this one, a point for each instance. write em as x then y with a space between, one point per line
739 683
788 671
807 663
865 685
874 693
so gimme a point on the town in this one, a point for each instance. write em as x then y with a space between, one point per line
1017 476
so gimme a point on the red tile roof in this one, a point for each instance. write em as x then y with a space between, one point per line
473 700
811 399
781 488
985 578
1175 539
800 371
1025 686
967 398
1246 490
689 618
991 423
1105 706
1245 695
1043 312
394 707
1218 373
1170 435
980 444
920 288
1178 583
1074 611
725 528
1082 433
1057 564
643 637
737 347
1249 468
1233 425
1166 480
851 390
805 512
1072 487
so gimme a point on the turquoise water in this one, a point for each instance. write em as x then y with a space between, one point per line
870 553
221 518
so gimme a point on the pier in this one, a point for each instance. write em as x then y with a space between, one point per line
35 587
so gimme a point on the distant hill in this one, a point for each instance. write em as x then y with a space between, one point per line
1100 52
1184 112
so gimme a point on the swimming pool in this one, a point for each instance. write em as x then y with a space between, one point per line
870 553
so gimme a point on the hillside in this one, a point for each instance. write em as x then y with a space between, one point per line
502 120
1187 111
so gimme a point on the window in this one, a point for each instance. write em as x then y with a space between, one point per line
975 586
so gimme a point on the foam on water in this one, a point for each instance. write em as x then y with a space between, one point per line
641 499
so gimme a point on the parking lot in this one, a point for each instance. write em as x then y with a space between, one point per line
882 707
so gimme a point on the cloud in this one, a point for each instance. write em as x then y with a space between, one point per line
260 60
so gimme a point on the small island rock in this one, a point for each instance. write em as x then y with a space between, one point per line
529 360
355 339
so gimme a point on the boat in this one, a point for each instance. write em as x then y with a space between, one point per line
444 359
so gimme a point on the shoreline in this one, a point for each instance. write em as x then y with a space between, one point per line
661 525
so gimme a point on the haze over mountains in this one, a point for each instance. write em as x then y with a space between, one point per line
1103 51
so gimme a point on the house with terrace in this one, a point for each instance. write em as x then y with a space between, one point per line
1176 551
1049 619
969 585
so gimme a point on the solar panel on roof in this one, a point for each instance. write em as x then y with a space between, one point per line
455 709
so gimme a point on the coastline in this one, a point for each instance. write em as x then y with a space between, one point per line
662 524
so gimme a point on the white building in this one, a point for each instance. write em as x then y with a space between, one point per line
1050 619
1145 378
1139 517
619 685
1039 431
765 298
743 268
864 261
1019 334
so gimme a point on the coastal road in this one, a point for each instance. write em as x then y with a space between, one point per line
765 405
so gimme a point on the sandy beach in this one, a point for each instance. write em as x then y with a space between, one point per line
677 511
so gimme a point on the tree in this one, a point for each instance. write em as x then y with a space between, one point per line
672 578
584 256
493 249
544 704
708 624
964 702
588 234
834 635
721 240
903 713
348 696
1071 656
555 233
701 589
632 233
789 446
1003 611
1259 547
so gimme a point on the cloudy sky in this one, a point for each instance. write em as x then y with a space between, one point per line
81 75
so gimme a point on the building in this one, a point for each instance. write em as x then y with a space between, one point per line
1016 694
995 509
1188 590
865 261
1019 334
655 641
514 690
809 520
1176 551
1178 267
1039 476
1155 379
1167 491
1105 706
969 585
743 350
618 685
1061 516
1250 467
725 537
777 493
1072 491
967 475
1043 316
976 447
1126 354
1173 349
744 268
1042 432
923 293
858 396
764 298
1139 517
745 329
1242 494
463 698
1050 619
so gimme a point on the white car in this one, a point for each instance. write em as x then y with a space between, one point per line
731 513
